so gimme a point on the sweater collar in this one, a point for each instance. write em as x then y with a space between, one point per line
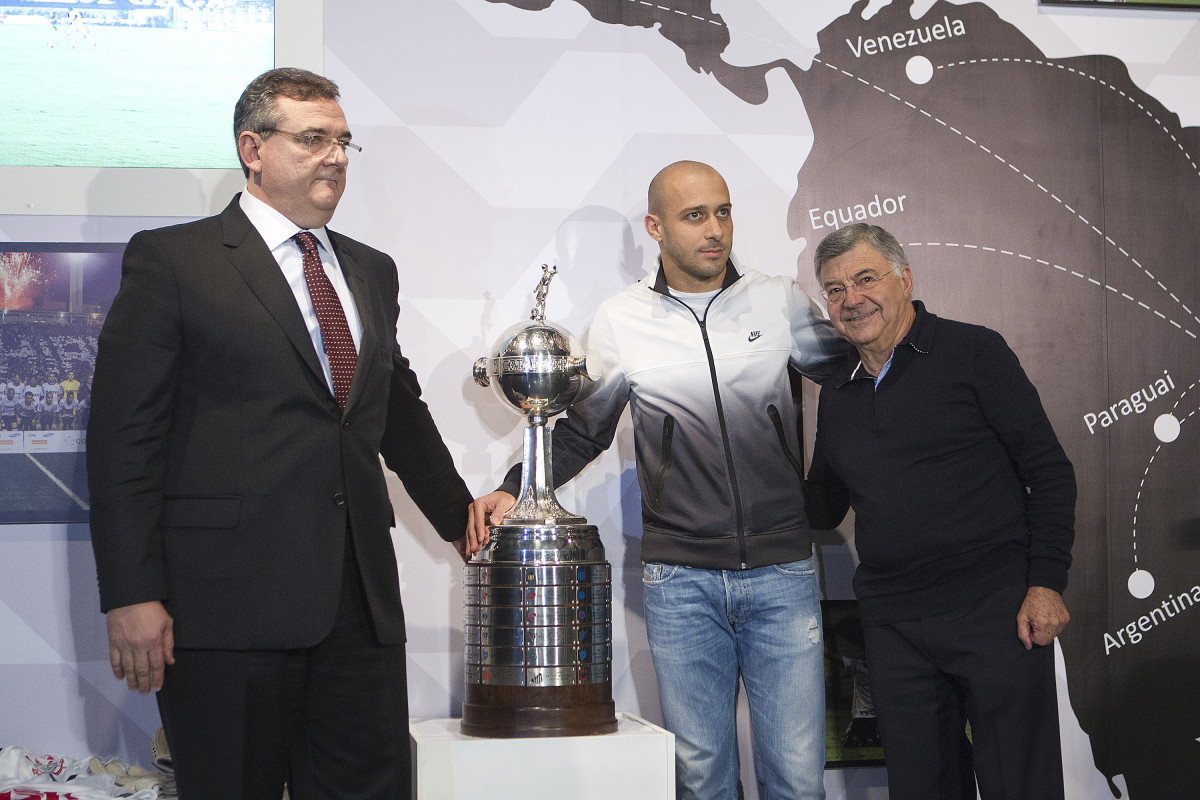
919 339
920 335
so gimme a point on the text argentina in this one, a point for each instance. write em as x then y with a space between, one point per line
1170 608
909 38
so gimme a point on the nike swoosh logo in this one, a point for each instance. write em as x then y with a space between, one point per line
754 336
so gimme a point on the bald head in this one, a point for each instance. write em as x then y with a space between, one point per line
691 218
671 175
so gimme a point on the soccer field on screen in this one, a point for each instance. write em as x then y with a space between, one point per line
141 97
43 487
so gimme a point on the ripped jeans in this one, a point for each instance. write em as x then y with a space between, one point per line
706 626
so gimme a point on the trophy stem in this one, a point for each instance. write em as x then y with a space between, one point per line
537 503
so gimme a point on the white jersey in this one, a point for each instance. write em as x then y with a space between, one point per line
26 774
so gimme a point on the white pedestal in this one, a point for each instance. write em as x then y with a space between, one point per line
637 761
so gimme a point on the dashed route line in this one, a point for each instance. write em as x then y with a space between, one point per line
1137 502
1028 178
680 12
1060 268
1055 65
1114 290
950 65
1108 239
965 62
1071 70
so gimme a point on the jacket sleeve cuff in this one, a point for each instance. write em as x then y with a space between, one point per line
1049 573
512 481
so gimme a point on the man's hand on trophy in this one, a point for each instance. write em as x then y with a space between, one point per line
487 510
462 546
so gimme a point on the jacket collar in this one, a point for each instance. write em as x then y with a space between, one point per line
660 278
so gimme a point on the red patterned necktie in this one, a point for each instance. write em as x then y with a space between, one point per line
335 332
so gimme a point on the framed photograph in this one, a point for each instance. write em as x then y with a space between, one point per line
851 733
53 300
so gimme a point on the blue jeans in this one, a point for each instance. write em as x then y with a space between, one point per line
706 626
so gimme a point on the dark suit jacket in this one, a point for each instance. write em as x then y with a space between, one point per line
223 475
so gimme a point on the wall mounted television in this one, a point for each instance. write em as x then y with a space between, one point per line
124 107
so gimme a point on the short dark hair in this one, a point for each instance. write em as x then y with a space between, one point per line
843 240
257 111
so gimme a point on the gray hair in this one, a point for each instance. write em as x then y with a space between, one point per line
843 240
257 111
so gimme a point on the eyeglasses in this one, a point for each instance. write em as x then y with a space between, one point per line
319 145
836 292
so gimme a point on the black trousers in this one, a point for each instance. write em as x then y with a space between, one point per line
331 721
931 676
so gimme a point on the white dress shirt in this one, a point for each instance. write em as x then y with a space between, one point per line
277 231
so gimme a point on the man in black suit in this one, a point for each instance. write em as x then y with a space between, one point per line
240 517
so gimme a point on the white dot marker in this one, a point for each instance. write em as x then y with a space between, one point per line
1166 428
1141 584
919 69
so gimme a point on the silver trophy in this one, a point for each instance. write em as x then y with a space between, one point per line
539 596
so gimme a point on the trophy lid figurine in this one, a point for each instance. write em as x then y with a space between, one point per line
539 596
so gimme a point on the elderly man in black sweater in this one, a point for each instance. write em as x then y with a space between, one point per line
964 518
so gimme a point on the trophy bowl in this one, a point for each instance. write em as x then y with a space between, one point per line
536 368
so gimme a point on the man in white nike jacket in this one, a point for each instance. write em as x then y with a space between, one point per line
701 355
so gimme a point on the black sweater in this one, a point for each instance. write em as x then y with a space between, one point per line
958 483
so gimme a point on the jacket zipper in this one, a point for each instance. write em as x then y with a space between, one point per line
712 372
737 494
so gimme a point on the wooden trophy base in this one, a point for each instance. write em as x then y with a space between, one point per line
511 712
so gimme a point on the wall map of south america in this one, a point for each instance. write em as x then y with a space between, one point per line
1053 200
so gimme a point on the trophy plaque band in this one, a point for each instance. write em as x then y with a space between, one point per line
539 640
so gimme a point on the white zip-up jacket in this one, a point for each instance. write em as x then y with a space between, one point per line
718 457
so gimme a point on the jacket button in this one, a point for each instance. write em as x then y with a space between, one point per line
346 423
339 499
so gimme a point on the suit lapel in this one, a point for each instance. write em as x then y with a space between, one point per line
249 255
